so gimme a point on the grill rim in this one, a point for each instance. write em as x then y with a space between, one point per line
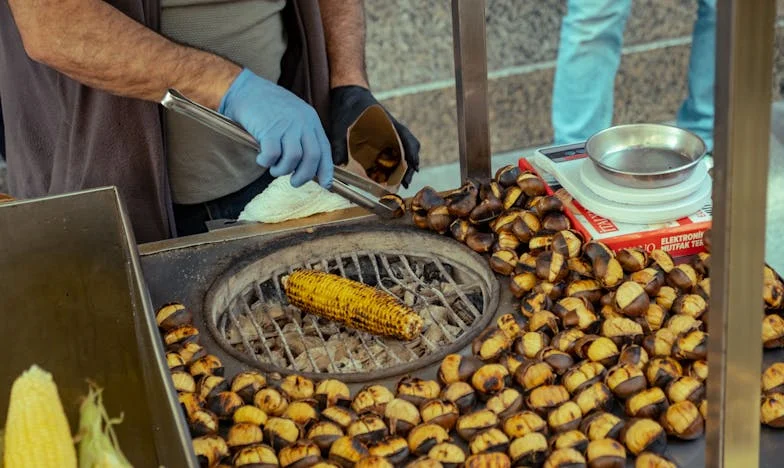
489 286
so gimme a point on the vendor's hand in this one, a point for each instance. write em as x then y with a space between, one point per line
289 131
346 104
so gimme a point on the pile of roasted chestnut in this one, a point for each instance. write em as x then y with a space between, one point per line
599 333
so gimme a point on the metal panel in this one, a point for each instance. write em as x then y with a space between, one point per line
74 302
743 95
468 31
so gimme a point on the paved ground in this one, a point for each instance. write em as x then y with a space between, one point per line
447 176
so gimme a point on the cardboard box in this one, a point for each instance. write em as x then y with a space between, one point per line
680 238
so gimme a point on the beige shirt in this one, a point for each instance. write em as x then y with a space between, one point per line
247 32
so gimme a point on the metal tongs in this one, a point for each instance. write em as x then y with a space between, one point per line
343 181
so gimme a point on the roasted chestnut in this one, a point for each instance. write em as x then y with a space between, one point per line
653 460
373 461
224 404
699 370
281 432
526 226
522 423
663 370
472 424
661 260
271 400
681 323
332 392
682 277
534 302
190 402
692 305
533 374
660 343
424 437
463 200
541 241
488 460
666 297
551 266
588 289
571 439
510 325
457 368
531 343
173 315
608 271
203 422
441 412
339 415
209 385
597 349
773 331
439 219
622 330
246 384
543 321
490 379
393 449
448 454
649 403
368 429
503 261
556 221
401 416
558 360
651 280
302 412
372 399
531 184
528 450
577 313
692 345
606 453
625 380
258 455
773 378
507 241
347 451
250 414
547 397
602 425
491 440
595 397
244 434
487 210
632 260
480 242
565 340
565 417
425 200
175 362
324 434
178 337
507 402
584 375
210 449
512 362
461 229
514 198
461 394
523 283
683 420
631 299
565 242
416 390
554 291
633 355
395 203
772 410
565 458
644 435
579 266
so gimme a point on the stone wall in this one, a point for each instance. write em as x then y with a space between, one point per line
410 61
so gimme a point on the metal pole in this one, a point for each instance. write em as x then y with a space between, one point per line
744 64
468 30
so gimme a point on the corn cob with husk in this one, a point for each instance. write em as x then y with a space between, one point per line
351 303
37 432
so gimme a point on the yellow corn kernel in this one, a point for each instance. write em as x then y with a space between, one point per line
353 304
37 432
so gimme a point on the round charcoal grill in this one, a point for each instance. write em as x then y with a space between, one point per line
450 286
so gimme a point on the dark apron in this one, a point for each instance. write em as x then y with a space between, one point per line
62 136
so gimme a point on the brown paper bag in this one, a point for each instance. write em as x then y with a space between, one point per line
375 150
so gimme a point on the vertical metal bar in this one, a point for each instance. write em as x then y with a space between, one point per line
473 131
744 66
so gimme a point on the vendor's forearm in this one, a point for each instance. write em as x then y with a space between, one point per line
344 29
98 45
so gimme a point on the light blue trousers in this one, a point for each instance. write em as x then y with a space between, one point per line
588 57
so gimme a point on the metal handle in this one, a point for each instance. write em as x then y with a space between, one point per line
344 179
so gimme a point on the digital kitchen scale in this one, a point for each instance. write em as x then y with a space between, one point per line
576 173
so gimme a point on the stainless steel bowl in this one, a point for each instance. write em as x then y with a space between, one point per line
645 155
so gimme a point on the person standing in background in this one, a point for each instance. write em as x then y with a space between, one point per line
589 54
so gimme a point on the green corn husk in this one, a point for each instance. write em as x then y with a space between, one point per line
98 445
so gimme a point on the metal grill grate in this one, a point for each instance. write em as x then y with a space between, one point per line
262 325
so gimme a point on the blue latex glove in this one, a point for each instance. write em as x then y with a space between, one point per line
289 131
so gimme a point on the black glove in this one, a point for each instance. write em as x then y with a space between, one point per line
346 104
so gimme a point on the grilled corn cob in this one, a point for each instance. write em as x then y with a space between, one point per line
354 304
36 431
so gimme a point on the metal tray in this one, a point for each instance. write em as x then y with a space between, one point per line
74 303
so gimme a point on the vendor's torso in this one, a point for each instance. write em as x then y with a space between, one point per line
247 32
